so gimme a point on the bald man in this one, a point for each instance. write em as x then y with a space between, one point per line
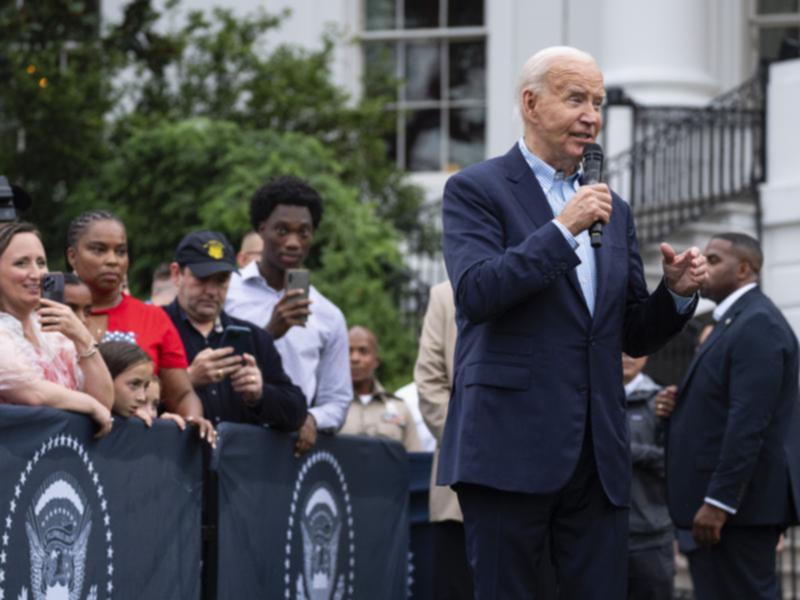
250 250
374 412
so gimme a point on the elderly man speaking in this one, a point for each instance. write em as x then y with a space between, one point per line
535 443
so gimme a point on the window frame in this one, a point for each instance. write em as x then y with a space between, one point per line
400 38
759 22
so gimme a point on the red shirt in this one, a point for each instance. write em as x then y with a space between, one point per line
150 328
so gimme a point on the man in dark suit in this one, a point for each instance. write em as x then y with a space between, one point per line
536 441
733 463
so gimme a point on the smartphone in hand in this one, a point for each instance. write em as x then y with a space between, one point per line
298 279
53 286
240 338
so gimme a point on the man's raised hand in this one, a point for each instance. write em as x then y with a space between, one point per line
684 273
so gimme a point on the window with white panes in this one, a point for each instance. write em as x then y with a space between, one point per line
434 54
776 29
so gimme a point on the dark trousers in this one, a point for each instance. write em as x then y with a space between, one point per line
507 531
651 573
740 566
452 579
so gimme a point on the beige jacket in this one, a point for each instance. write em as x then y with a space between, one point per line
433 375
384 416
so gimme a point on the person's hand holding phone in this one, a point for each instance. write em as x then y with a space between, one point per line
54 316
212 366
248 381
288 312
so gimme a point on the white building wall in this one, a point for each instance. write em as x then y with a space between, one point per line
681 51
780 194
676 52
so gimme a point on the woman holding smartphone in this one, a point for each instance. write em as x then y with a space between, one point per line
97 250
49 357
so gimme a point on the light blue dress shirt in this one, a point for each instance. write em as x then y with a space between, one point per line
559 190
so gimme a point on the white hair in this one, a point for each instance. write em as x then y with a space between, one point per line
536 68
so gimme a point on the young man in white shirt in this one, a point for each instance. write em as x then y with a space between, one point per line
310 335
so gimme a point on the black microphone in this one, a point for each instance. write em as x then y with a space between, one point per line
592 173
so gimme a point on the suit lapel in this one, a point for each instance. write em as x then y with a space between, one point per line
529 195
719 330
602 262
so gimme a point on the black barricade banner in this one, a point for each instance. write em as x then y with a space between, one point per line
86 519
332 525
421 558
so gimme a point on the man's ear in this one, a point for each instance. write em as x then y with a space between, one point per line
745 270
175 272
529 99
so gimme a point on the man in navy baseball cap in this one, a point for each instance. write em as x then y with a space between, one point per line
249 386
206 253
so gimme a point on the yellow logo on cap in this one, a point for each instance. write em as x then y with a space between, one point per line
215 249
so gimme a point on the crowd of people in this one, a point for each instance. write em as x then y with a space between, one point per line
553 479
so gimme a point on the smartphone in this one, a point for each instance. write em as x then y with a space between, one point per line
240 338
298 279
53 286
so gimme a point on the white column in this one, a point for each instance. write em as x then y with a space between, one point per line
780 194
659 51
517 30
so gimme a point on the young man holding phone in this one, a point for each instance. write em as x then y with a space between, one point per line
308 329
234 366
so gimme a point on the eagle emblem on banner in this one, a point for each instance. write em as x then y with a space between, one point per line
58 525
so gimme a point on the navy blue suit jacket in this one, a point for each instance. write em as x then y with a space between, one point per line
734 434
531 362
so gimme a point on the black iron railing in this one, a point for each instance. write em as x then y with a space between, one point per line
686 160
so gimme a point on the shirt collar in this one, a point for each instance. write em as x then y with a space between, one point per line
723 306
546 175
380 393
251 271
634 384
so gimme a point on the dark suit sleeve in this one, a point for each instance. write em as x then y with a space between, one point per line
650 320
489 278
282 404
758 361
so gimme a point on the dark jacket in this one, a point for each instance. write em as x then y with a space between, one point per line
282 404
735 432
531 361
649 516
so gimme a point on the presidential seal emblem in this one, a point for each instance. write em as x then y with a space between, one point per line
54 518
320 539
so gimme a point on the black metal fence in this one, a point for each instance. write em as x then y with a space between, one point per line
684 160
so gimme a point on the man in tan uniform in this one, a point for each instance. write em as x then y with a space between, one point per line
433 375
374 412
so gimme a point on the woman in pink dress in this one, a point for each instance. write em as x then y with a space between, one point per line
47 356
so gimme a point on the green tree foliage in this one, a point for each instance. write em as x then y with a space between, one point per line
54 93
215 67
200 173
176 129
